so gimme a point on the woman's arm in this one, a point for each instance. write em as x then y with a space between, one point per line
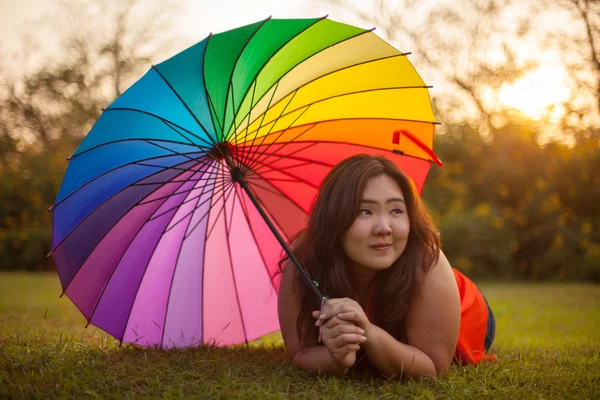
433 319
432 326
338 352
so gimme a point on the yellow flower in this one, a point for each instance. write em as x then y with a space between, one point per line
552 203
586 227
483 209
540 184
562 219
559 239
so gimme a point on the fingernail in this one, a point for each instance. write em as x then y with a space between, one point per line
322 316
362 332
363 339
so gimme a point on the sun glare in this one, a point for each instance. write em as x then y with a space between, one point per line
539 93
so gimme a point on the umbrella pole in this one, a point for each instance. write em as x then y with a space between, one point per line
237 176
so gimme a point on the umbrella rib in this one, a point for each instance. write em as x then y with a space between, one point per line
222 184
331 73
225 183
209 100
248 124
254 80
231 217
350 144
142 280
133 140
255 156
294 66
162 119
250 155
290 141
261 122
159 166
295 180
115 268
276 192
279 157
208 153
165 182
230 82
99 205
108 172
97 302
164 326
191 212
237 296
222 194
183 102
234 158
301 158
298 179
226 195
344 95
353 119
168 149
102 238
262 256
301 164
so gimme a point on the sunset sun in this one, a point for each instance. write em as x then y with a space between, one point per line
538 94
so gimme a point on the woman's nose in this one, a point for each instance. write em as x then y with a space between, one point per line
383 228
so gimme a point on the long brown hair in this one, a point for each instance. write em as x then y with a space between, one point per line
319 249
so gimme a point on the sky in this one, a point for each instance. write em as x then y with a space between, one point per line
200 17
532 94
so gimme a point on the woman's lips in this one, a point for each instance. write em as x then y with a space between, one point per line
381 247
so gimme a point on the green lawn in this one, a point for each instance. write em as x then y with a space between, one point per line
547 342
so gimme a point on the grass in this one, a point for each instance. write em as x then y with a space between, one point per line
547 342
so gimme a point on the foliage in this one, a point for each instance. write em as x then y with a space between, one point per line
45 112
509 203
547 345
515 209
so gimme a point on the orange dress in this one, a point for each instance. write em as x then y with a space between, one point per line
477 324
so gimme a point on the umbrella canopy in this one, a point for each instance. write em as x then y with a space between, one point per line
168 224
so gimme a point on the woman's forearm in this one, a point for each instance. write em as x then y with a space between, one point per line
395 359
318 360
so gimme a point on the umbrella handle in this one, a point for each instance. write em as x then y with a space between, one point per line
238 176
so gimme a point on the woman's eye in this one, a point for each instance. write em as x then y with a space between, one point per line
364 212
397 211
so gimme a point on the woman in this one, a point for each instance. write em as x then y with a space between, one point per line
396 306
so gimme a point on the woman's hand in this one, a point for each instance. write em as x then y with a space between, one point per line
346 310
342 339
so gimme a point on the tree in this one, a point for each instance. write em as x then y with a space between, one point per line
463 45
578 42
45 112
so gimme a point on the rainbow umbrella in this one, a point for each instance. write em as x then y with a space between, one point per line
174 209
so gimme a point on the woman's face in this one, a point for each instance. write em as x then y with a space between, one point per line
378 235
